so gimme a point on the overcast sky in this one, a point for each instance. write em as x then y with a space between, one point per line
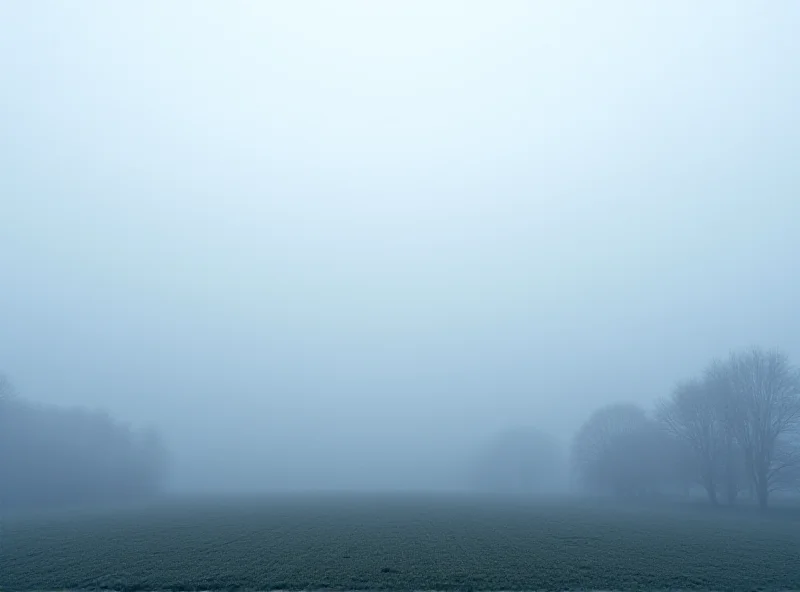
381 231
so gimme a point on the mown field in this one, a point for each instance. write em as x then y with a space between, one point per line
395 542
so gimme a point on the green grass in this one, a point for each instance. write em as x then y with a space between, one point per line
394 542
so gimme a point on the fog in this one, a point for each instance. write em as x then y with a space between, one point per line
344 245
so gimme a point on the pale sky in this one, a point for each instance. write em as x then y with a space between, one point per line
348 241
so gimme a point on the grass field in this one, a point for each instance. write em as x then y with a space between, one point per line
395 542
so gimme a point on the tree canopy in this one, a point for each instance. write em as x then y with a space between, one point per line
52 456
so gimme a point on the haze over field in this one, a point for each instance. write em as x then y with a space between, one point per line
342 245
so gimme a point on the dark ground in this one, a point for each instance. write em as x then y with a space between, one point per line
400 542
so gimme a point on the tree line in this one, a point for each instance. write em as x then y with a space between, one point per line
520 460
53 456
734 431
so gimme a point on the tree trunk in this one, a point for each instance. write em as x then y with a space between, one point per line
731 481
762 491
760 481
711 489
731 489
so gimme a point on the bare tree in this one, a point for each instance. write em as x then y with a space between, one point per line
784 471
690 416
730 454
764 391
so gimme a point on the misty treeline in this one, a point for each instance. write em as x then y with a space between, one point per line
520 460
734 431
52 456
